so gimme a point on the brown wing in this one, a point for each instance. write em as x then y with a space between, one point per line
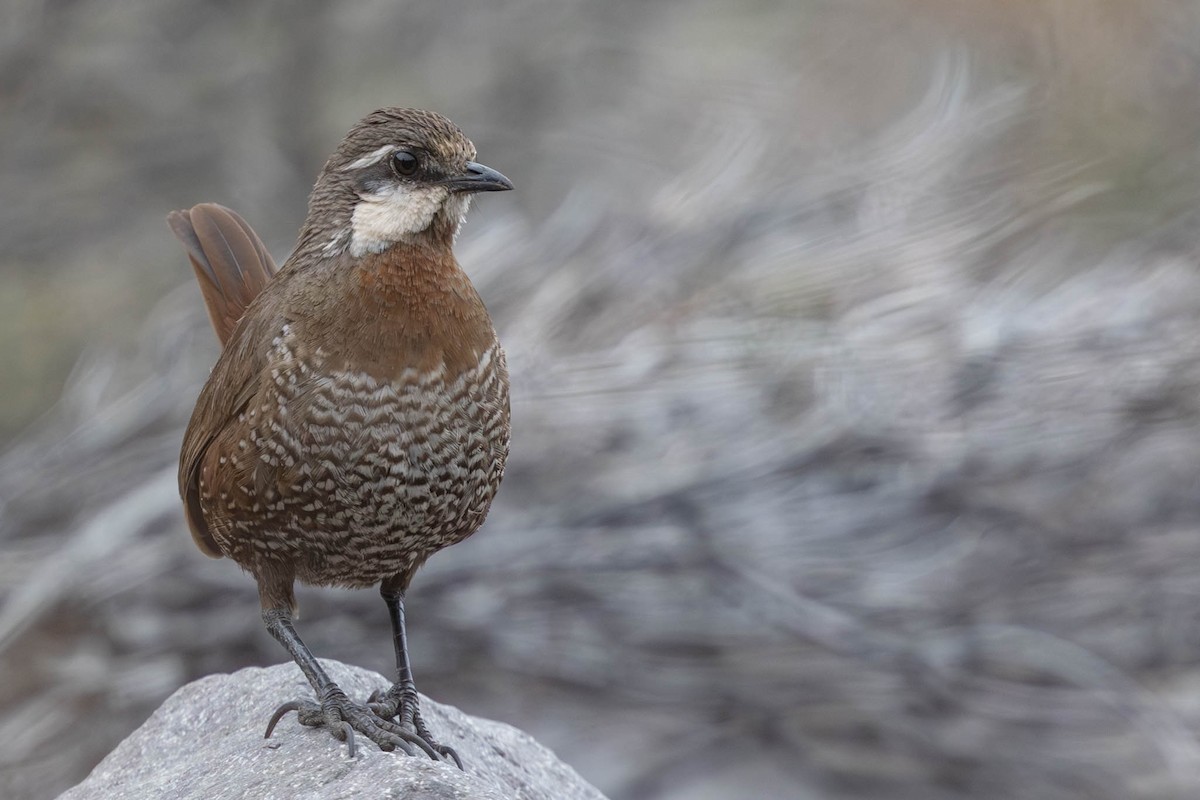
230 261
231 386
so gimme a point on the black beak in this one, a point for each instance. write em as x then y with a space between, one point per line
478 178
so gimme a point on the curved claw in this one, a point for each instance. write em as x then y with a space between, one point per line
451 753
291 705
348 737
442 750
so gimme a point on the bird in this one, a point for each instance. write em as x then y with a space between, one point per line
357 420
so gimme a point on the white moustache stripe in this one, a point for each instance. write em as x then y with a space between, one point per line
370 158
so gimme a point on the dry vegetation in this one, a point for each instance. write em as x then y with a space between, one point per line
856 351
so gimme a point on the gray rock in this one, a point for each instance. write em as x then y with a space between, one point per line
206 741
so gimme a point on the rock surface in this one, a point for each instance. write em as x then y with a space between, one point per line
206 741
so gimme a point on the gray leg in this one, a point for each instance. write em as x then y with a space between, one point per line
402 700
334 711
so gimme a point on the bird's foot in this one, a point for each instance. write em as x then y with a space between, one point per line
401 704
341 716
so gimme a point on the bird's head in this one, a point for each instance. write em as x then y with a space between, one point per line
401 175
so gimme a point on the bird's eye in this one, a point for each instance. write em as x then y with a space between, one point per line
404 164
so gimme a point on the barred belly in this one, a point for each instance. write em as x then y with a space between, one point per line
353 479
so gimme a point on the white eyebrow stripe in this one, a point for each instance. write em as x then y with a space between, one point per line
371 158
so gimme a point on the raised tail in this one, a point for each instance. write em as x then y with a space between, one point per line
231 262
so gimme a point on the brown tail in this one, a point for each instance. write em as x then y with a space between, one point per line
231 262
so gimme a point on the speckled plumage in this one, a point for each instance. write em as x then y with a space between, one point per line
346 478
357 420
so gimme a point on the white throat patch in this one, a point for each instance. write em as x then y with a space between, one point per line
383 218
391 215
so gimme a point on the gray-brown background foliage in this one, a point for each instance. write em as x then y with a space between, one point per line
855 348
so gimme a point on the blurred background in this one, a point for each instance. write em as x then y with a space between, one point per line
855 348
